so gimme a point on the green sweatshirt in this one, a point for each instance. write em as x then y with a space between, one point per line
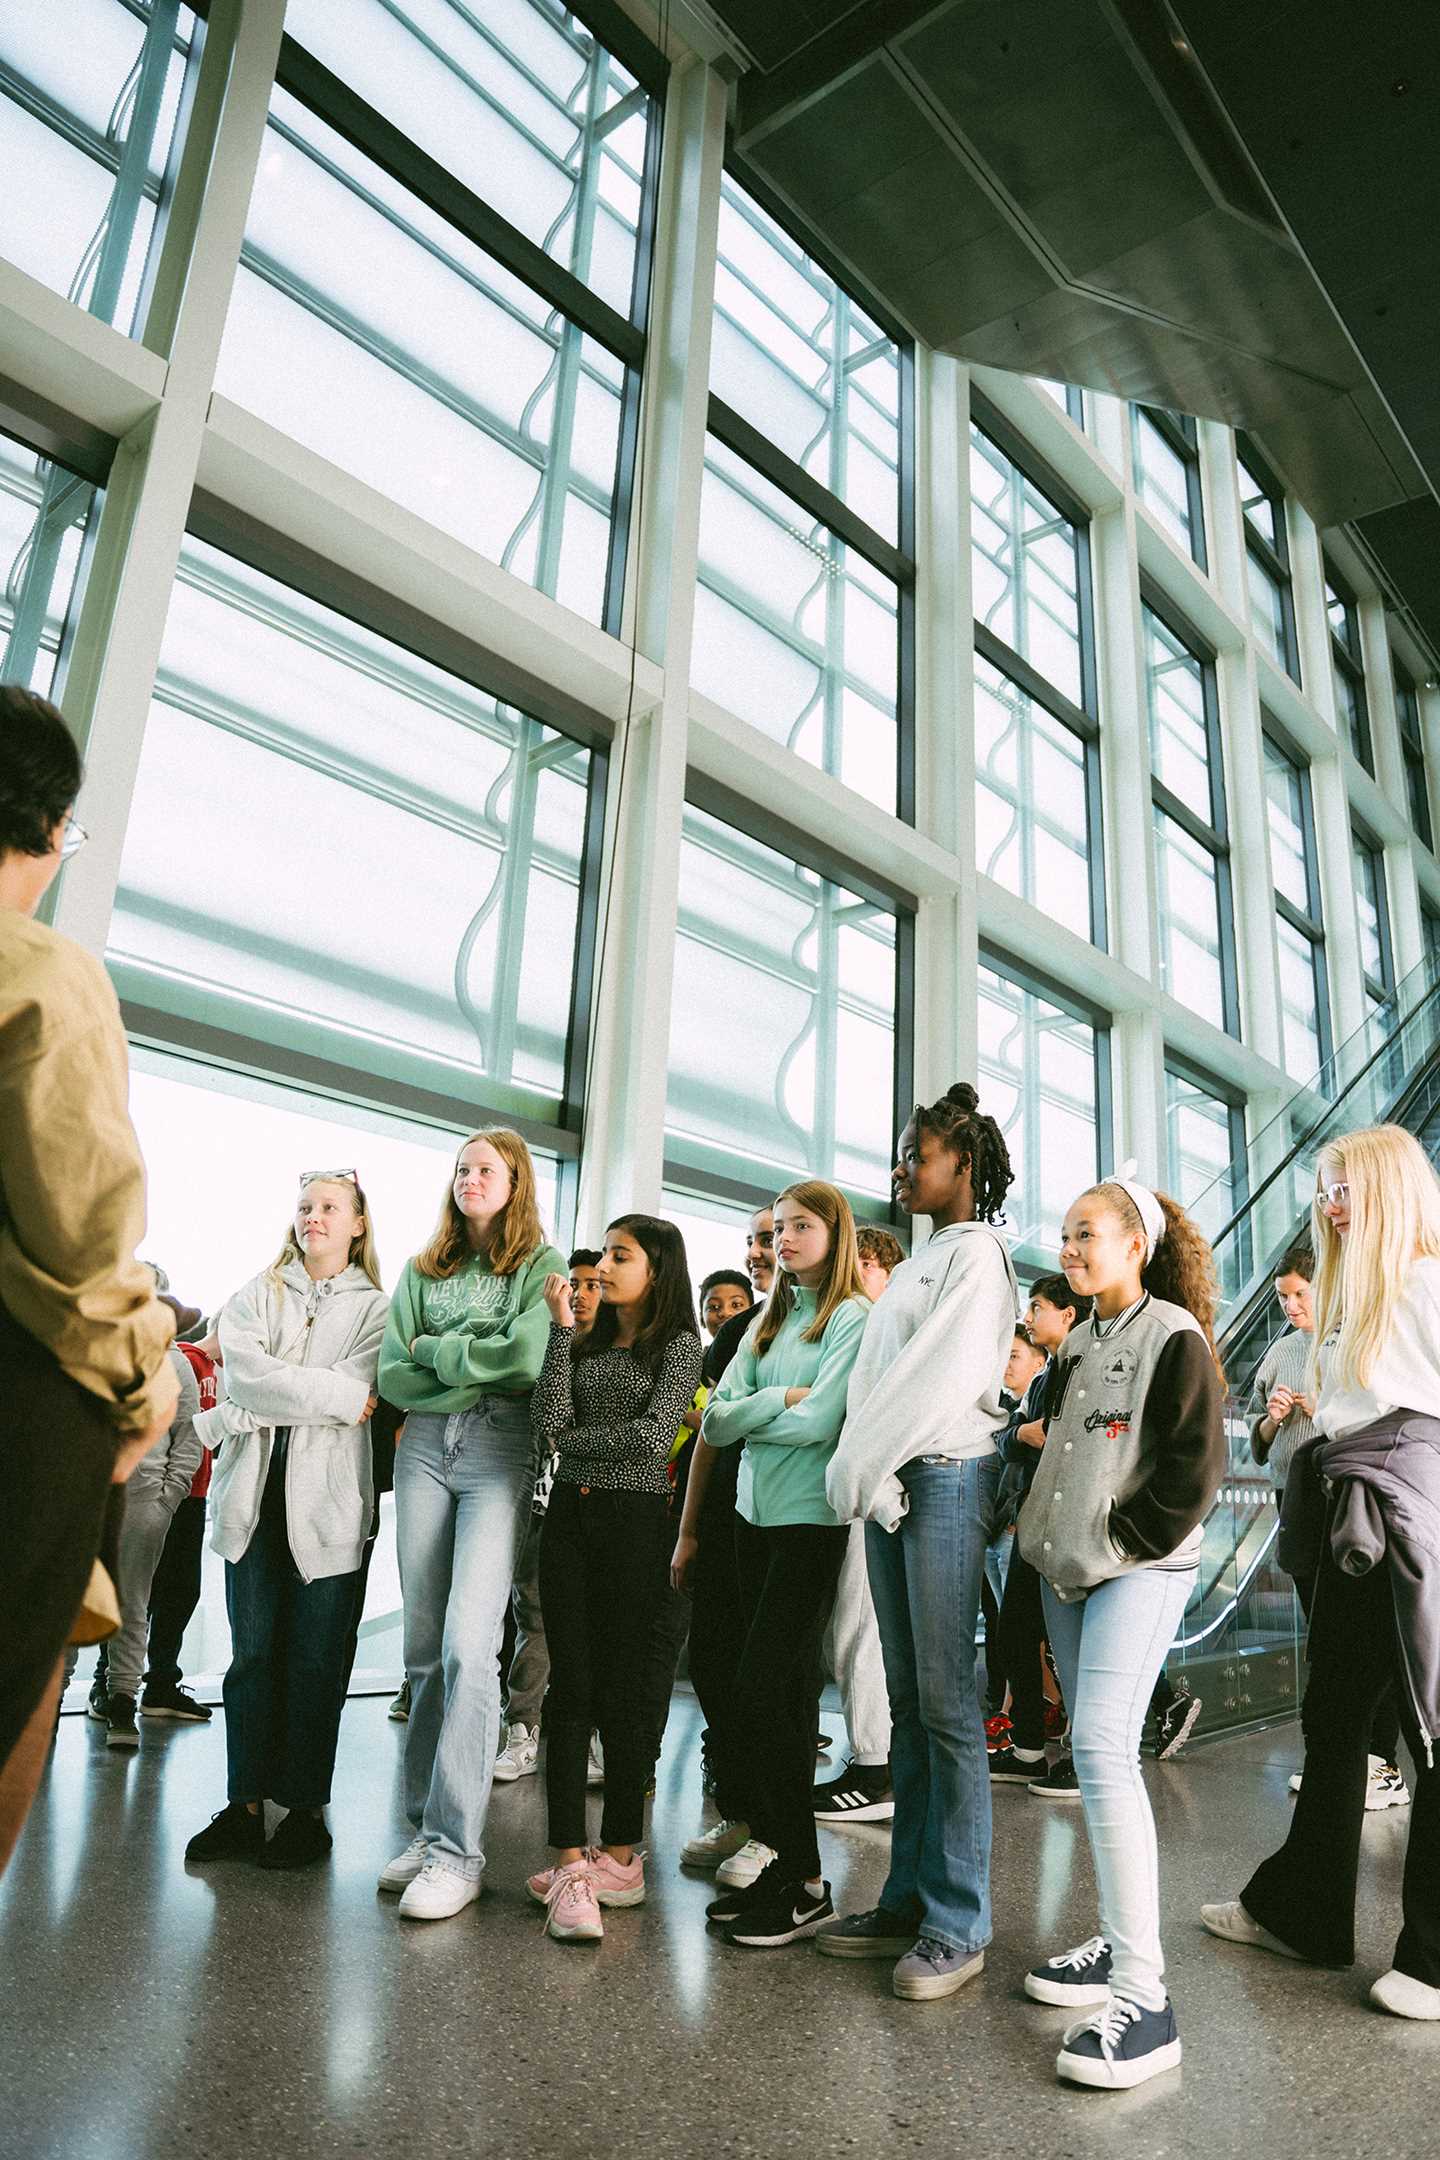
473 1333
787 1452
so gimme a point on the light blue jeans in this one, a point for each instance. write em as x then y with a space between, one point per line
925 1579
463 1488
1109 1647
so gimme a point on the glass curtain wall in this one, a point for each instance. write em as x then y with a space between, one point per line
1192 849
1267 558
1412 751
1304 996
46 517
1165 453
1352 707
1045 1079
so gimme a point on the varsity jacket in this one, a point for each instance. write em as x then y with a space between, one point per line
1134 1451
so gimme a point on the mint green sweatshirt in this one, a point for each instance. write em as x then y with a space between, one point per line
787 1452
474 1333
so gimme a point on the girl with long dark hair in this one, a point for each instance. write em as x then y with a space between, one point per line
608 1408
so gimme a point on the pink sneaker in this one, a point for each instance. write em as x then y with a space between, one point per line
614 1884
574 1911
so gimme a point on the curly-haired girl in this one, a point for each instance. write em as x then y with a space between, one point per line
1133 1455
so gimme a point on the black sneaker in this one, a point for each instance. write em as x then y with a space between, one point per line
785 1915
174 1702
861 1793
1175 1725
824 1741
1120 2046
98 1704
120 1727
1010 1765
300 1838
1059 1781
731 1904
1080 1977
233 1834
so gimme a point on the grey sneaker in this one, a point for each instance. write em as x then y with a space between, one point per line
935 1968
873 1934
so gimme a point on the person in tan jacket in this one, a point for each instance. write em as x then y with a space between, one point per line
85 1385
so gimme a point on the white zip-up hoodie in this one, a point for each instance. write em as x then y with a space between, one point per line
300 1354
927 1378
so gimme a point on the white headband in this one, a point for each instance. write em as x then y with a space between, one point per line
1147 1207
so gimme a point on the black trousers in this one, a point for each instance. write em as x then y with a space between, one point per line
175 1592
668 1630
57 1509
1305 1893
996 1674
1385 1724
717 1635
787 1582
1021 1637
603 1557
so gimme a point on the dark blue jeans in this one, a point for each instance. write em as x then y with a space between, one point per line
289 1644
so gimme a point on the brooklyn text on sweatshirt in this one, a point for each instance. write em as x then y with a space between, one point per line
1134 1451
787 1452
609 1420
474 1333
927 1377
1406 1374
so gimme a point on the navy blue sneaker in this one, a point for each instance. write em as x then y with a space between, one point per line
1120 2046
1079 1977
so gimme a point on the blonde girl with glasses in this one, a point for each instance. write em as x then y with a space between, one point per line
1372 1481
291 1501
463 1349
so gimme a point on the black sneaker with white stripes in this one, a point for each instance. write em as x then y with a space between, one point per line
861 1793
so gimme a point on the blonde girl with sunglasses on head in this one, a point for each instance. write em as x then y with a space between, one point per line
291 1501
1362 1505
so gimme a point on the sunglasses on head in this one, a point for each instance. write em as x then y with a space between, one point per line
343 1177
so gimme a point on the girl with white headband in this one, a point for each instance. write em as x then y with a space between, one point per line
1133 1456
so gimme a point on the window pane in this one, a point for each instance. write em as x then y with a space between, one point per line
1038 1081
373 333
1204 1176
1299 1002
804 364
1370 900
89 98
1032 834
1162 480
1351 713
782 1046
518 101
382 864
1267 609
1025 561
1179 733
1258 504
1284 791
794 631
1187 898
44 515
1342 618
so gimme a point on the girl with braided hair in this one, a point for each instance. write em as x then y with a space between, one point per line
1133 1455
917 1463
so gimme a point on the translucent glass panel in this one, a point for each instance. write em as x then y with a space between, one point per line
1267 609
1342 618
1025 561
1299 1001
1351 714
795 631
804 364
1038 1080
338 847
1289 845
713 1230
372 332
1412 746
1031 826
89 100
1259 504
782 1041
1179 731
1370 901
1188 903
44 515
518 101
1205 1170
1162 481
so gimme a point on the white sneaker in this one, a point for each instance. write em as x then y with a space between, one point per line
595 1769
741 1869
1405 1997
712 1846
1385 1788
399 1873
438 1893
1230 1921
520 1755
1296 1781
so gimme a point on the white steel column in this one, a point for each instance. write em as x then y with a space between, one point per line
122 622
624 1150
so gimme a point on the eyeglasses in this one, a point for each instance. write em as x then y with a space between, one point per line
1332 1195
72 838
344 1177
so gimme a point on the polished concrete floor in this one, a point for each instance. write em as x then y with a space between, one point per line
147 2010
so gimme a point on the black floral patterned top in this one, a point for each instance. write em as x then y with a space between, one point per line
608 1418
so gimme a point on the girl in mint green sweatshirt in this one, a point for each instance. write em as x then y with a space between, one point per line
464 1343
783 1398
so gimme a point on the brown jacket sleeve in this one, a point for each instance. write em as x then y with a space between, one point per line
1184 1410
72 1186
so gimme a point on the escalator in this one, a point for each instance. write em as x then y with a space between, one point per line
1241 1643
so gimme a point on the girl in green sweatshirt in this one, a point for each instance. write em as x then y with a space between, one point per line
463 1347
